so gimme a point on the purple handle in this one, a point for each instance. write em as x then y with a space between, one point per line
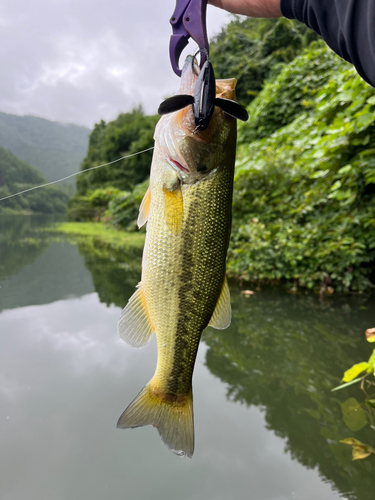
188 20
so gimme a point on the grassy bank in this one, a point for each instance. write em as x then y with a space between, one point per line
98 231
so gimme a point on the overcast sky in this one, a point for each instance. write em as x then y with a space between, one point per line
80 61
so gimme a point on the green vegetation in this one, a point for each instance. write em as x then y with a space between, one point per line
91 206
99 232
17 175
128 134
253 50
361 413
114 193
304 210
55 149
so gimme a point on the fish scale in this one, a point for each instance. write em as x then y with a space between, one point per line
183 286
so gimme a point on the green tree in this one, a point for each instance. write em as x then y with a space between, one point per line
251 50
129 133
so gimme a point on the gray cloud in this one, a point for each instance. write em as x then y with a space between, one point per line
85 60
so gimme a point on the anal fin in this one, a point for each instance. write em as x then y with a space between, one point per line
222 315
134 325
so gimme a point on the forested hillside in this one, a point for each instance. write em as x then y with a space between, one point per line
117 186
17 175
55 149
304 205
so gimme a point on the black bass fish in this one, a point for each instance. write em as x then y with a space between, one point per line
183 288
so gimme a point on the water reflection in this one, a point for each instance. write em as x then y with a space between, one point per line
34 267
285 354
17 248
65 377
114 271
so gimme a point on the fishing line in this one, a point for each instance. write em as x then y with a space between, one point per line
77 173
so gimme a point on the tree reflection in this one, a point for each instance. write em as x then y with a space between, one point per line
18 245
285 354
115 270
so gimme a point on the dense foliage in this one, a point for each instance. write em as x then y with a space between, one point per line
251 50
129 133
97 198
304 206
55 149
91 206
293 91
17 175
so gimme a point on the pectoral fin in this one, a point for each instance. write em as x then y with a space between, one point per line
223 312
144 209
134 325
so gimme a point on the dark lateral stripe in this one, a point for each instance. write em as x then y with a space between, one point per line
180 370
193 318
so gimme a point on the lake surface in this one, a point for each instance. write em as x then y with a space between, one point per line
267 424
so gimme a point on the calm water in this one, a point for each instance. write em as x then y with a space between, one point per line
267 425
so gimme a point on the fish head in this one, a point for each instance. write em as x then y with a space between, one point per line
193 153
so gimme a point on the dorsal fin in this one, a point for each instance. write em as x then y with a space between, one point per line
232 108
175 103
223 312
144 209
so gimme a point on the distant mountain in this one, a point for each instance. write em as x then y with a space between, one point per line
55 149
17 175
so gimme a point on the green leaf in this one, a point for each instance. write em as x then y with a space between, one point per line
355 370
371 361
353 415
319 174
344 170
370 403
336 185
359 450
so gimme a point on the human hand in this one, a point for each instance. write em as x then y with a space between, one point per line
251 8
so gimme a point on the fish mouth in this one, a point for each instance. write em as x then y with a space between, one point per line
178 165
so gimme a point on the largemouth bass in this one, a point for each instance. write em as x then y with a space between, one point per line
183 288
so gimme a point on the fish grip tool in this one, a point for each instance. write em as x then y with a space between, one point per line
188 21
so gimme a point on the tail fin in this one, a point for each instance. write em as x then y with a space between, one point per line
174 420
